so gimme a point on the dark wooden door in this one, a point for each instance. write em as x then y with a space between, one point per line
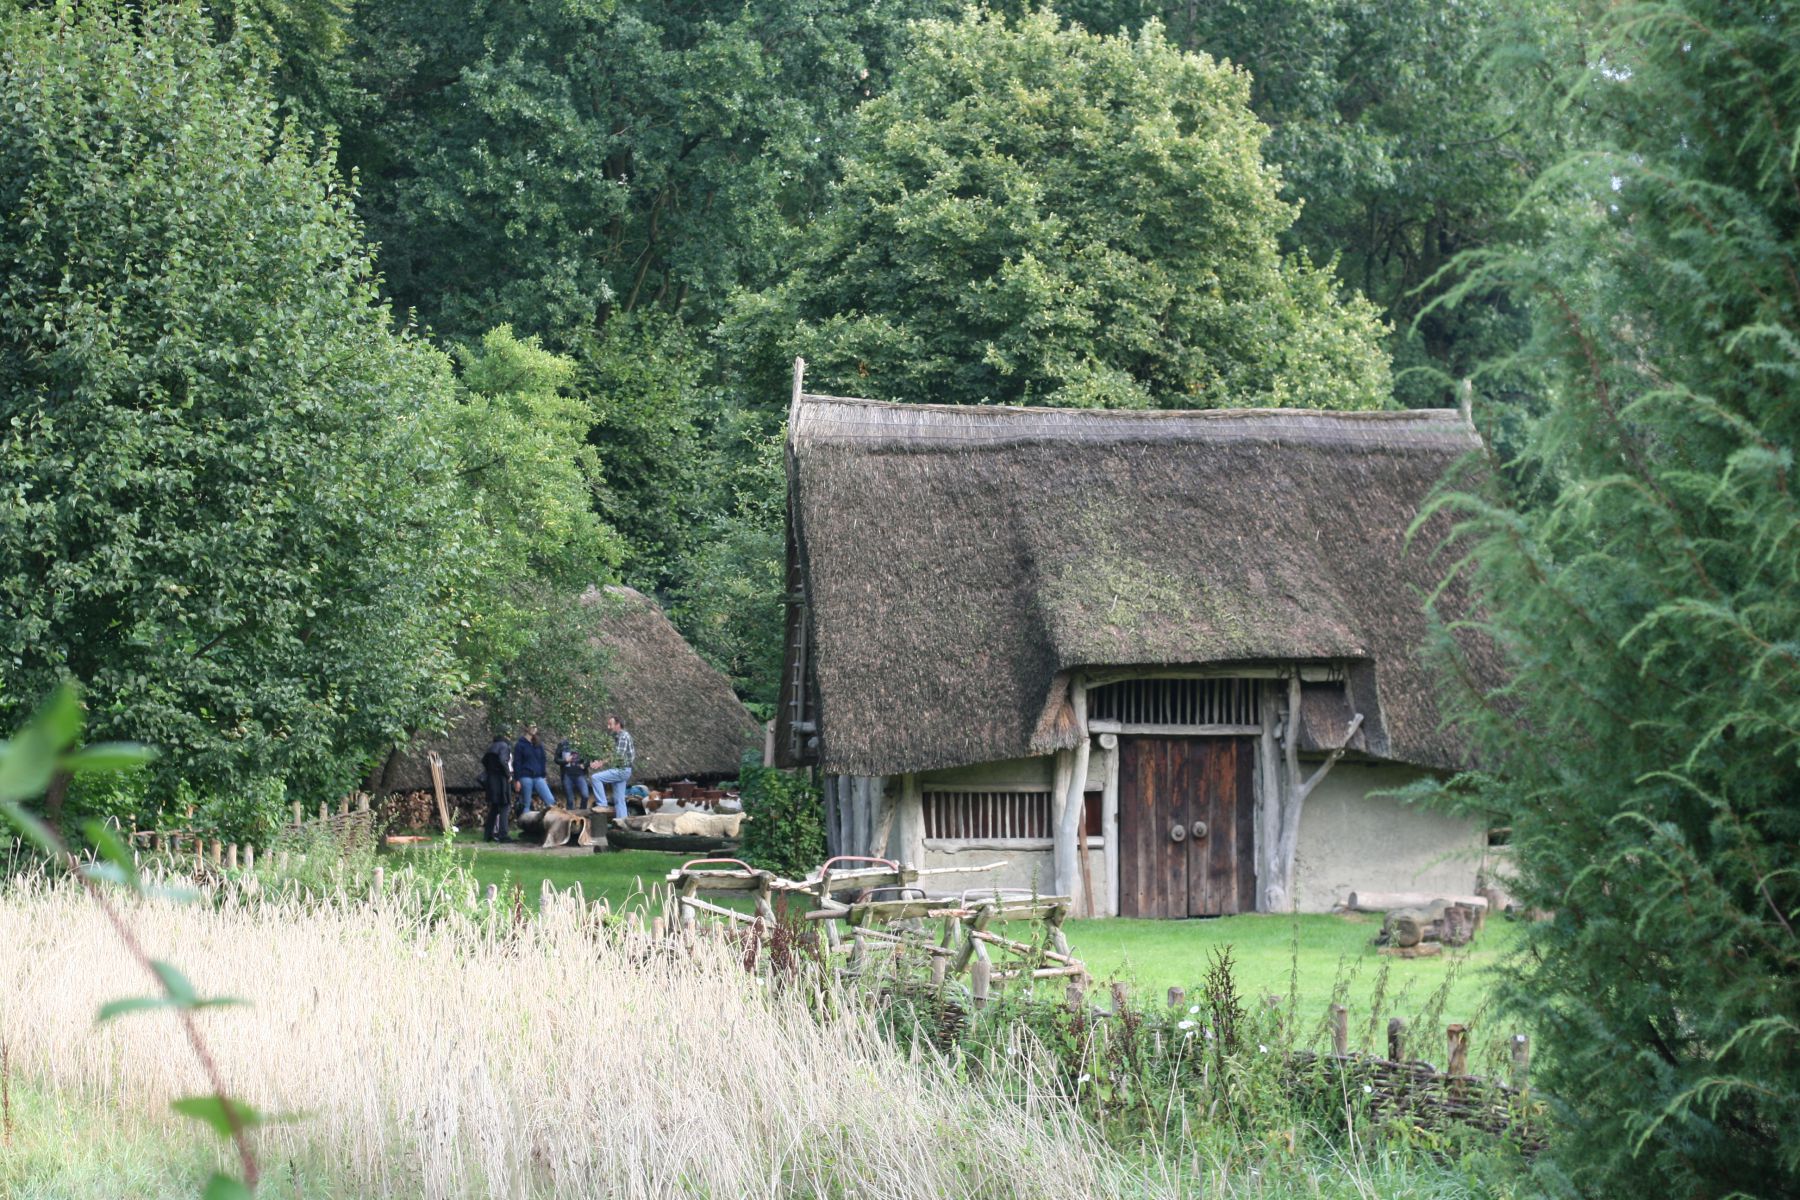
1185 827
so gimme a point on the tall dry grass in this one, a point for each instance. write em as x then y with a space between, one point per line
554 1060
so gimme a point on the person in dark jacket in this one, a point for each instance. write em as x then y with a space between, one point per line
496 769
573 766
529 770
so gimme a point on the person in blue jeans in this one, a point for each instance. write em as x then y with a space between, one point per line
529 770
573 766
617 770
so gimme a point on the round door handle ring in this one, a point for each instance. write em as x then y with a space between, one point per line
1178 834
1199 830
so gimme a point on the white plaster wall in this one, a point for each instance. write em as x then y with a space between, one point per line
1036 772
1351 841
1035 869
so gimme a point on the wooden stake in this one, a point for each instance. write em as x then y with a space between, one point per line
1340 1030
1397 1039
1119 997
493 894
218 852
1456 1039
656 928
980 977
380 879
231 857
281 861
1521 1061
1177 997
250 858
323 812
297 813
1076 995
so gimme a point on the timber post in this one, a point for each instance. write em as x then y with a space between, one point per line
1396 1039
1521 1062
1456 1044
1340 1030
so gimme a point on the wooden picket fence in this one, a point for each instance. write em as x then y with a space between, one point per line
351 824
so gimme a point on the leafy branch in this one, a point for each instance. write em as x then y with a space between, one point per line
29 763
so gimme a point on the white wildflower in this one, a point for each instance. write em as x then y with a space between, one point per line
1186 1025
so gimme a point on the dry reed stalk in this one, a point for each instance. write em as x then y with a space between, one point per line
546 1060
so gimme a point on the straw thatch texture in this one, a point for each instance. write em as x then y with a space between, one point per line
682 713
957 559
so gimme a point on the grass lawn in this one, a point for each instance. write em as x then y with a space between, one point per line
1318 958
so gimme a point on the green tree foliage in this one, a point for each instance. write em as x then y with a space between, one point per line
654 414
729 594
1396 126
1646 751
225 507
530 481
1036 214
553 164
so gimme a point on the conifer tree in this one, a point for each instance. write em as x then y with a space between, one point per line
1642 571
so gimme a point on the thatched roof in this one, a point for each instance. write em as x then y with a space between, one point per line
681 712
959 562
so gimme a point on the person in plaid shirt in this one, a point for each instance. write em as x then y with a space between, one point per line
617 770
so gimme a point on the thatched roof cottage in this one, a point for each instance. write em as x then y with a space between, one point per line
682 713
1188 643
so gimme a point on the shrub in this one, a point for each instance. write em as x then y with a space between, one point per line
786 830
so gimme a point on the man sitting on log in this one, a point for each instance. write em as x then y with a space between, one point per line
617 771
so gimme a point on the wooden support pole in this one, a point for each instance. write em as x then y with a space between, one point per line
1521 1062
1120 997
281 861
1340 1030
1076 996
297 813
218 852
250 858
493 894
322 811
657 928
231 857
1456 1039
632 921
980 975
380 880
1177 997
1397 1039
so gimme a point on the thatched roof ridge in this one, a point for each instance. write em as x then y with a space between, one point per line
959 562
682 713
820 420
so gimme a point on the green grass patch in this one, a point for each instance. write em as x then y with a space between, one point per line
1320 959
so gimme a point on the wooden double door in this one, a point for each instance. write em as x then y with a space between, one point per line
1186 826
